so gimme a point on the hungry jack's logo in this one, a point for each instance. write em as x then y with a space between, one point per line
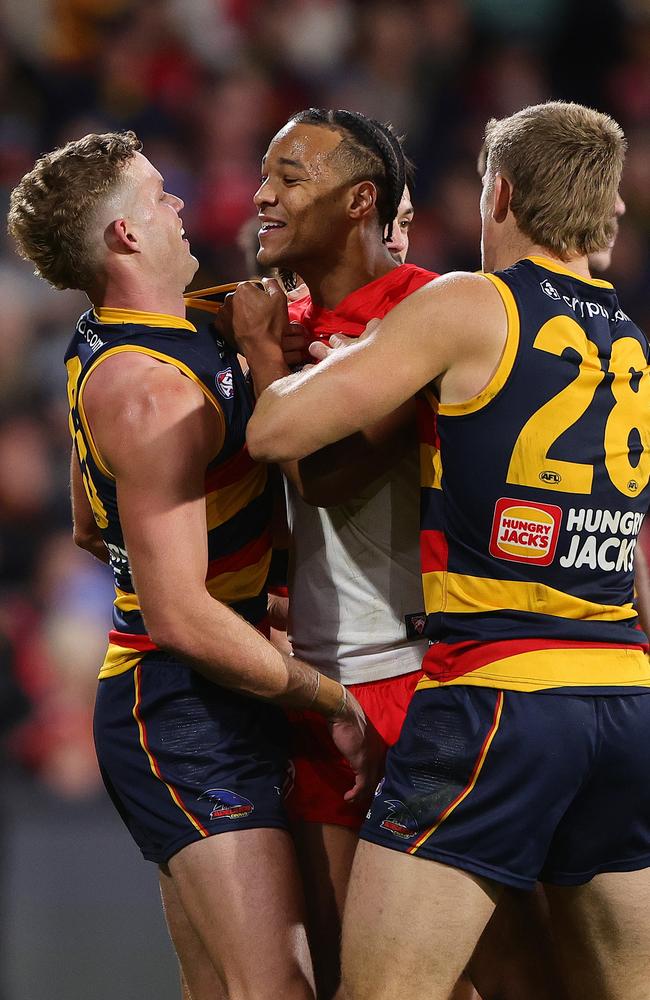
525 532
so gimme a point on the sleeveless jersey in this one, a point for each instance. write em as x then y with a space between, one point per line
533 494
354 580
238 503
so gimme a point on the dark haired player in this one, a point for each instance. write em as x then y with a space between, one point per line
333 182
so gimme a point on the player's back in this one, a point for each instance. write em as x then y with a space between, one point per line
533 494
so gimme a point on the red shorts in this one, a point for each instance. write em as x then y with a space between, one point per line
322 775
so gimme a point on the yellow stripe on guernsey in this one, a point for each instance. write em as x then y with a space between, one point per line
241 584
125 601
224 503
500 377
542 669
167 359
118 660
455 593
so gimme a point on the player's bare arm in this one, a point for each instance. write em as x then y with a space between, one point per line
336 473
153 425
85 532
452 331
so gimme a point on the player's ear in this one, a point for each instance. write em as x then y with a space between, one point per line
119 237
501 197
363 198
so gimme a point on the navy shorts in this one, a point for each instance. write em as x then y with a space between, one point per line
517 787
183 758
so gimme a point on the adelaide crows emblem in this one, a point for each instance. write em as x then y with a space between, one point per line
227 804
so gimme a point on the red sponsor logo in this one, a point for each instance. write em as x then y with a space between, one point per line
525 532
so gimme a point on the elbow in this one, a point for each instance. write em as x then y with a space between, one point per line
85 539
168 634
262 443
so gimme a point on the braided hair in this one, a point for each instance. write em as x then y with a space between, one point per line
370 151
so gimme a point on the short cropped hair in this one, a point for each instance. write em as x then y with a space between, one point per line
370 150
52 206
564 161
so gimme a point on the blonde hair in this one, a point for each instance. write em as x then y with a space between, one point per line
564 162
52 206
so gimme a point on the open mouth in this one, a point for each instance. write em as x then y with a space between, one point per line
269 227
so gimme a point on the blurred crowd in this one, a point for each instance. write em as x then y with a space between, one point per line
205 84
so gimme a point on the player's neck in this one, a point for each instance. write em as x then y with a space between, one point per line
140 297
330 285
518 249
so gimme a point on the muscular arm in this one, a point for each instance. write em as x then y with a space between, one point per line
85 532
452 330
338 472
157 432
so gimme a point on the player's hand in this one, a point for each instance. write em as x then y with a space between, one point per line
222 322
277 610
294 345
259 314
320 351
360 743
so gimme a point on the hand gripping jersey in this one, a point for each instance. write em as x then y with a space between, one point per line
533 494
356 594
238 500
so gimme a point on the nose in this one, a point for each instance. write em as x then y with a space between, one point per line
177 202
265 195
619 207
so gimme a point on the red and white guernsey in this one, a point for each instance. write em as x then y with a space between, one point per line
356 609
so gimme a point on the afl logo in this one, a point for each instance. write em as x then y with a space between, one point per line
550 477
224 383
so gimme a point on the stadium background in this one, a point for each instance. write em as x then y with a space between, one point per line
205 83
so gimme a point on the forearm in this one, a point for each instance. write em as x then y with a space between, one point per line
247 662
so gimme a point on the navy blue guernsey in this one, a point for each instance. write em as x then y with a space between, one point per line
533 495
238 495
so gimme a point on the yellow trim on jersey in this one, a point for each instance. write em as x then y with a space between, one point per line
109 315
125 601
500 377
454 593
118 660
542 669
558 268
150 352
240 584
422 839
224 503
430 467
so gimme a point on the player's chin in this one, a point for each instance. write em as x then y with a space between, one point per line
267 258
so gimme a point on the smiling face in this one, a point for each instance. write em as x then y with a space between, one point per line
398 244
153 217
303 199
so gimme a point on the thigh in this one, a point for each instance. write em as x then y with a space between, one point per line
410 925
602 930
199 977
242 895
516 955
325 854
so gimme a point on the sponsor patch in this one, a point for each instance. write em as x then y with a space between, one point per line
525 532
224 383
227 804
549 289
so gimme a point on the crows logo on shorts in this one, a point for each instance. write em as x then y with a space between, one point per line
400 821
227 804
